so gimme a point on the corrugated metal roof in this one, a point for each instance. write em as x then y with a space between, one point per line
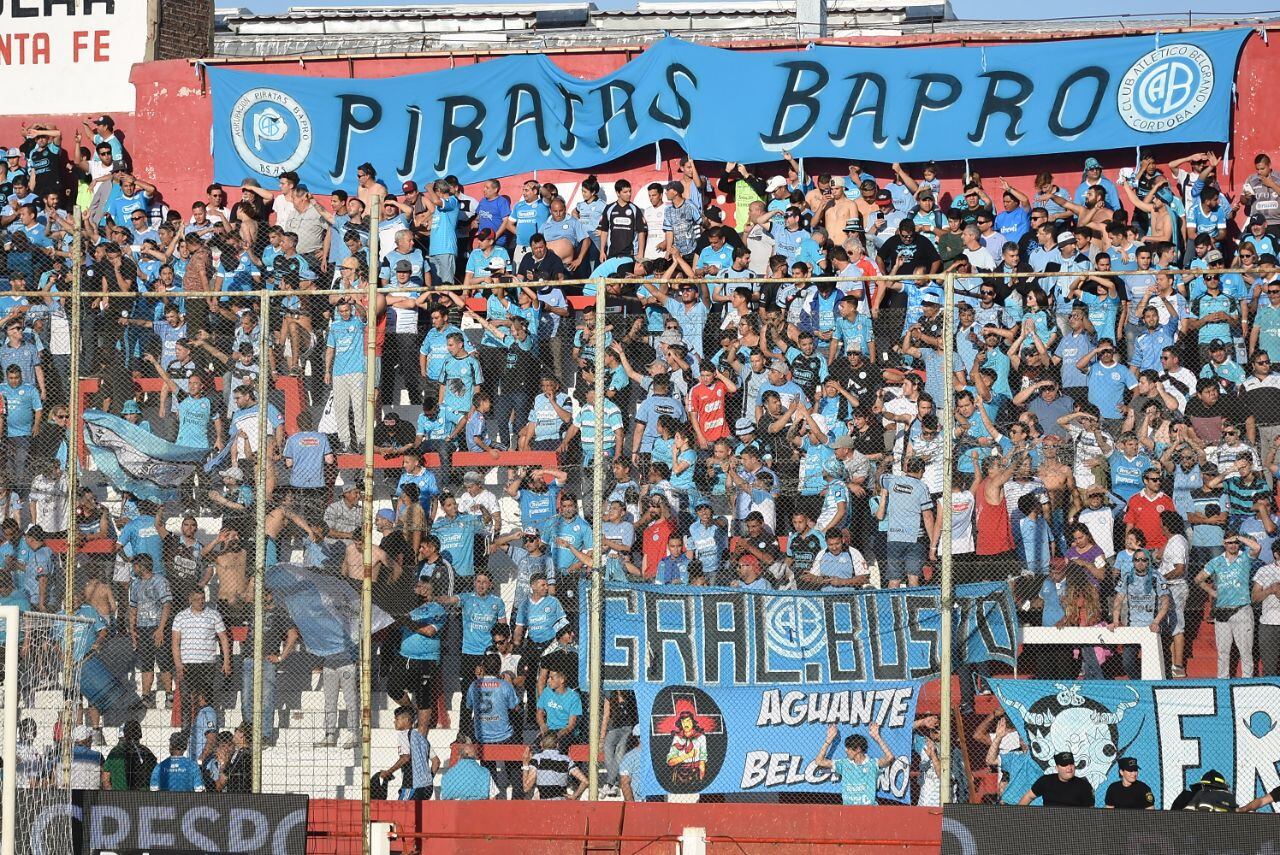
662 7
311 13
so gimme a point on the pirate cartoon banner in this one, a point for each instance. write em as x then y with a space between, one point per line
1177 730
517 114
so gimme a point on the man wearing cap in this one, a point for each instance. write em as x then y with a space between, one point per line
150 608
907 507
783 386
681 222
1066 259
1222 368
344 516
883 222
906 251
831 207
487 260
1129 793
1063 789
528 552
1207 216
744 430
1091 176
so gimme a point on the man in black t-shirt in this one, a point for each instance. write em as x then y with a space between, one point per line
622 224
1129 793
907 250
1063 789
539 264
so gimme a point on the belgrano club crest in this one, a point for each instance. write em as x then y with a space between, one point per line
271 130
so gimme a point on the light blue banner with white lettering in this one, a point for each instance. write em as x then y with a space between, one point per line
767 740
680 634
520 113
736 688
1177 730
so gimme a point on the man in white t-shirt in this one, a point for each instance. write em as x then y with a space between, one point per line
475 496
655 213
86 762
1266 584
199 642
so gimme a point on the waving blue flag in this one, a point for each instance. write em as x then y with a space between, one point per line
324 608
136 460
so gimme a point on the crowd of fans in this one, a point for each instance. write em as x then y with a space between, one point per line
771 413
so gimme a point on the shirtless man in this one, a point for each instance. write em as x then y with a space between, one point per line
1154 205
1094 213
1060 484
98 593
834 208
229 563
369 188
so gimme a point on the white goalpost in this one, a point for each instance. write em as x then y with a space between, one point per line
40 693
9 619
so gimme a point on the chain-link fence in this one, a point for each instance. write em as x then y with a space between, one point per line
754 466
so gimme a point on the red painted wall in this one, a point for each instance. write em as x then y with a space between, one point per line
867 831
168 134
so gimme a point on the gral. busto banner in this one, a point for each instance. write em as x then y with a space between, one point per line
520 113
736 690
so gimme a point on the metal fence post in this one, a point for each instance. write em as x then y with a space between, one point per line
73 412
366 583
260 533
594 646
944 536
74 422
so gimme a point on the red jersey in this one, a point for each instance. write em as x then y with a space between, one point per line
656 535
706 409
993 534
1144 515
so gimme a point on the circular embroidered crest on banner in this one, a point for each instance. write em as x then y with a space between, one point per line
1165 88
272 132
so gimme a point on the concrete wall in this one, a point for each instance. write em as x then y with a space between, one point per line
168 134
649 827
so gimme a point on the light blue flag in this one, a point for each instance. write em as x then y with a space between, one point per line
324 608
136 460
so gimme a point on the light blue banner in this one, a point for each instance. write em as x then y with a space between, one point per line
766 740
324 608
1177 730
520 113
680 634
134 459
